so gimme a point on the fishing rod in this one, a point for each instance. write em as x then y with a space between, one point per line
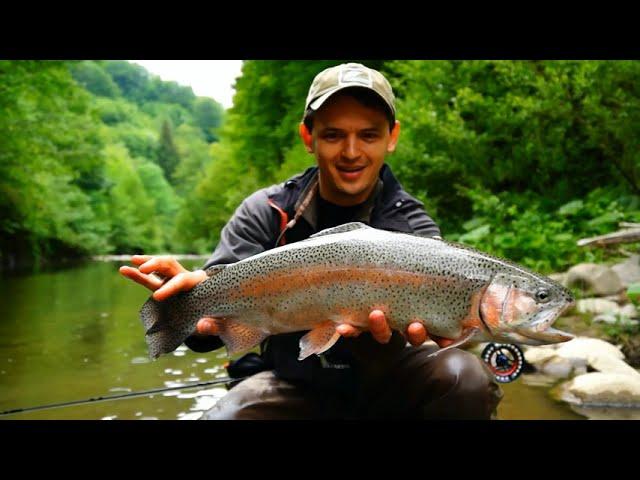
120 396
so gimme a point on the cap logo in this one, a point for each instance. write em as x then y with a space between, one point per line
353 74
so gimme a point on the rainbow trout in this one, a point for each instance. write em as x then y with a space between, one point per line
341 274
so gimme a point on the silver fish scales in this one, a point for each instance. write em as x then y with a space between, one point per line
341 274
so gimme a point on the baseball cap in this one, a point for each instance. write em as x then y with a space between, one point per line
334 79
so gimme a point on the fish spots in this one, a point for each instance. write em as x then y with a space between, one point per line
473 316
296 286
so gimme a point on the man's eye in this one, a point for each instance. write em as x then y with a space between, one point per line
330 136
370 136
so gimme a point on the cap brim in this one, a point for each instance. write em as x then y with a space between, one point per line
317 103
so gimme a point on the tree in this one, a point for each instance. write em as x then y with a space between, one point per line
94 78
167 154
208 115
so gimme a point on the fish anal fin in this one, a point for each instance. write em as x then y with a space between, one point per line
347 227
238 336
320 339
466 335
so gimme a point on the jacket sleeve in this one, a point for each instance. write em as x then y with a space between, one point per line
252 229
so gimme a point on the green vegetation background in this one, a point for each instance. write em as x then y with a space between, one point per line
518 158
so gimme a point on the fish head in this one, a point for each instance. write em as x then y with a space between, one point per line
521 307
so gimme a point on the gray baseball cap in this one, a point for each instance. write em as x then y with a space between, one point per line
334 79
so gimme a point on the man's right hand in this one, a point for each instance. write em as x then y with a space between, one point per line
175 279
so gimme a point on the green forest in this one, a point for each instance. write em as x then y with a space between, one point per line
516 158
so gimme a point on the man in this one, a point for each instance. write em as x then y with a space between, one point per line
349 126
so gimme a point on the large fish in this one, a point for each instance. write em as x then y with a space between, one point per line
341 274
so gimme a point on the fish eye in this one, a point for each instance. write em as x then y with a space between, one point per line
542 295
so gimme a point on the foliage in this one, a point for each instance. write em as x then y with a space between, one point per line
519 227
518 158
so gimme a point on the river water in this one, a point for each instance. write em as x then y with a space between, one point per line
74 334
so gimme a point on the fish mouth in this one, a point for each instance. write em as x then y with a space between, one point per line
549 335
540 329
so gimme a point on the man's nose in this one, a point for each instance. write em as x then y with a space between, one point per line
351 149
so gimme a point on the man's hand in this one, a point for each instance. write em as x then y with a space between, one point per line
416 334
175 279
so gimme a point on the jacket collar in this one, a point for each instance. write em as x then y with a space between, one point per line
386 212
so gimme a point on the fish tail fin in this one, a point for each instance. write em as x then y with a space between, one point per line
159 323
168 323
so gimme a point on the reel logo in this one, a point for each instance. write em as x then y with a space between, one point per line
504 360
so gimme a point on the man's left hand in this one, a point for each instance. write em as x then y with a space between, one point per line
415 333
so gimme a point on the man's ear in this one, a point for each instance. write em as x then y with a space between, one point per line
307 139
395 133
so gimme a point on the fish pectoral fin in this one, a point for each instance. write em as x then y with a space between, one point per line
318 340
238 336
467 334
346 227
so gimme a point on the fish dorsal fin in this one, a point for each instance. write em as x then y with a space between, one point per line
215 269
347 227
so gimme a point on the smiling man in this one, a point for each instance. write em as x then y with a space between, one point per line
349 126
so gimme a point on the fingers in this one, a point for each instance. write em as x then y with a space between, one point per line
149 281
416 334
140 259
179 283
347 330
148 266
207 326
379 327
441 341
164 265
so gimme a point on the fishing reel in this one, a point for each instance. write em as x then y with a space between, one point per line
505 361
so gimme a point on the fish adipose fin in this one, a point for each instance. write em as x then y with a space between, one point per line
347 227
238 337
318 340
467 334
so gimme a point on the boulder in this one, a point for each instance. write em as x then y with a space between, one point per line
561 367
595 279
596 306
603 389
572 358
628 271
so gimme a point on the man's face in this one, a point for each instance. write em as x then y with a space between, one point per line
350 142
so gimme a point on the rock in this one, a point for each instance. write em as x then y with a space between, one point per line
620 298
603 389
561 367
614 319
607 413
586 347
608 364
572 358
629 310
622 315
537 356
595 279
596 306
629 270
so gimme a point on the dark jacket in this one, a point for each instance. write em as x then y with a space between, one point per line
255 227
